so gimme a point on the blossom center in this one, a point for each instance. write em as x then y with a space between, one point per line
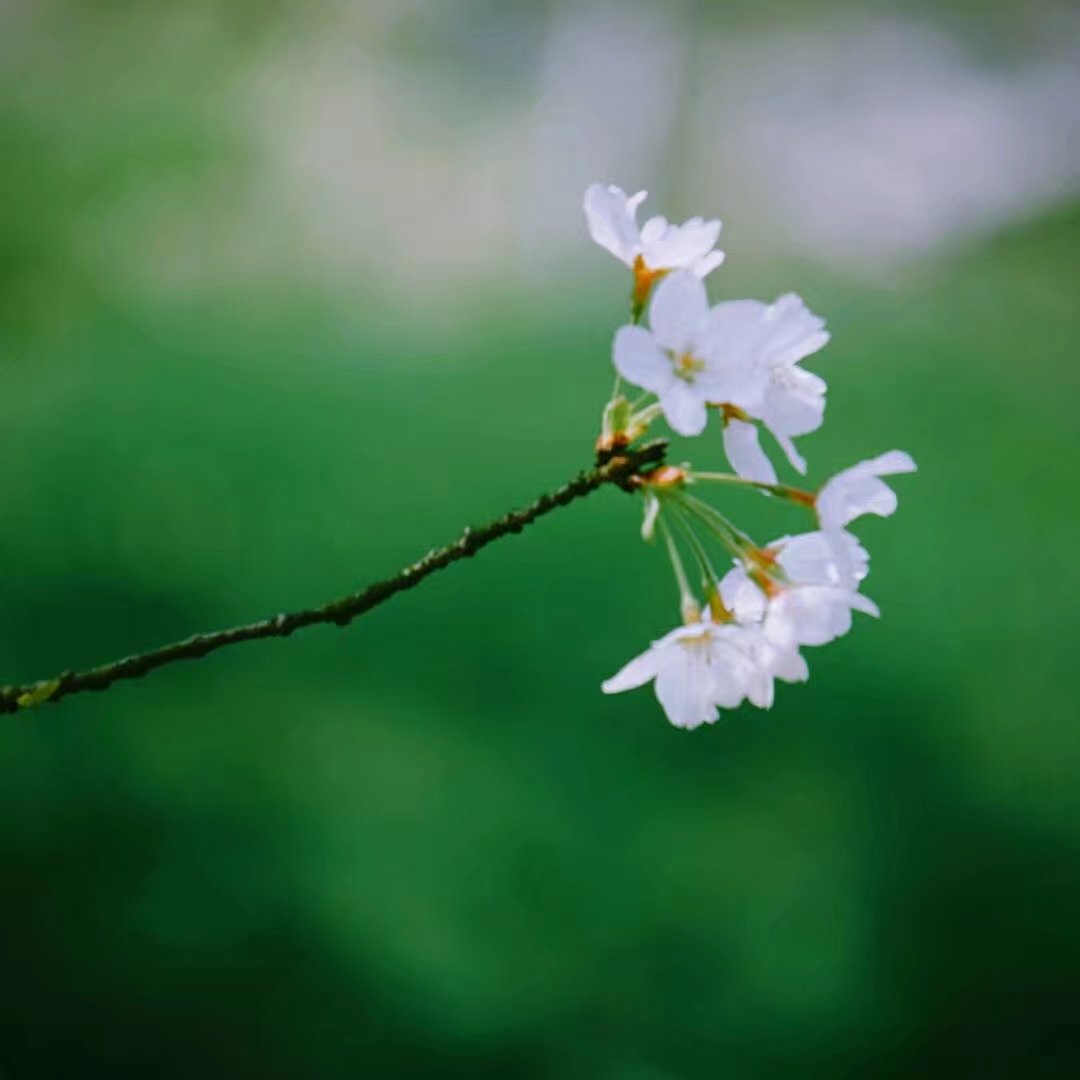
687 365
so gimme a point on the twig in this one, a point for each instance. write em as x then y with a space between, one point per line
620 469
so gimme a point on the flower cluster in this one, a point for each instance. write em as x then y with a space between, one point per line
739 362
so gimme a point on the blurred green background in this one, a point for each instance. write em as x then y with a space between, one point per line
290 292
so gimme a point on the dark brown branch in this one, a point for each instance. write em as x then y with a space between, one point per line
620 469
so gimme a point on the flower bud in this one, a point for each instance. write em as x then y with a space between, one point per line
666 476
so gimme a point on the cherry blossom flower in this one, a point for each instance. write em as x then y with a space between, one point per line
697 669
746 604
744 451
810 601
859 490
813 614
690 357
655 248
830 557
775 337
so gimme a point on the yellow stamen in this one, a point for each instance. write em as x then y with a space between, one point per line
687 365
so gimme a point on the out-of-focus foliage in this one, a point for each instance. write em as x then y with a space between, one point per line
428 846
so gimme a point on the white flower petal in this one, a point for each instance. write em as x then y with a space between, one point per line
738 324
729 345
638 672
788 665
858 490
794 401
683 687
798 462
679 246
794 331
707 264
891 463
678 310
640 360
741 596
826 557
865 605
652 232
812 614
744 452
683 406
610 215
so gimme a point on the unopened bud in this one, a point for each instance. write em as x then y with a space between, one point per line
616 416
639 423
614 436
609 444
667 476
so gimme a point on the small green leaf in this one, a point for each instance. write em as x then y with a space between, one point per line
39 695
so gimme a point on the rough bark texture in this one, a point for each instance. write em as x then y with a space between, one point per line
619 467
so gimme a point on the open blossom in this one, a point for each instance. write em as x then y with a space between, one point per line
748 605
655 248
777 336
697 669
825 557
686 358
706 666
860 490
745 605
810 602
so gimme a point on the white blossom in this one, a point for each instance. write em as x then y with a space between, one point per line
775 659
685 358
810 601
825 557
774 338
744 453
859 490
813 614
655 247
697 669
